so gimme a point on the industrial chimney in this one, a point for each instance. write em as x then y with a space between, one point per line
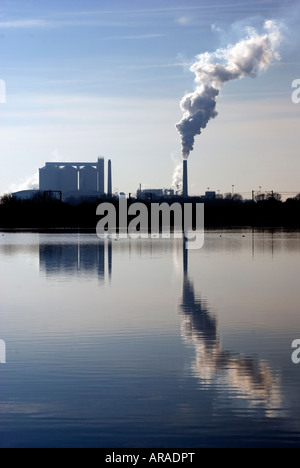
109 180
185 192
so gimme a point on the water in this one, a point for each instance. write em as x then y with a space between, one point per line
142 344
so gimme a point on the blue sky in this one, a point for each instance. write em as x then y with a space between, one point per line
89 78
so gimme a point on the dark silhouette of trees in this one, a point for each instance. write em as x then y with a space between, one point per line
45 210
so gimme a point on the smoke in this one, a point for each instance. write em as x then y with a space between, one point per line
247 58
177 180
31 183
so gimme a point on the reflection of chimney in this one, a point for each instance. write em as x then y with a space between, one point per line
185 259
109 259
185 179
109 180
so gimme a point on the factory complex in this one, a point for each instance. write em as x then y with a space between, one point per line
72 180
80 181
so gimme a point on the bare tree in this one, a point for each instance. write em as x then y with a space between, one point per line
6 199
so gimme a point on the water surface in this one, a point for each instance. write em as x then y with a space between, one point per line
144 344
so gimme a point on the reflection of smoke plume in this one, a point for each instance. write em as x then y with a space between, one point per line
245 377
212 70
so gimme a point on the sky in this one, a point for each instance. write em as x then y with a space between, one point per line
94 78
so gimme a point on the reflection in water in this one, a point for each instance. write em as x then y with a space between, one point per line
69 259
245 377
106 366
241 376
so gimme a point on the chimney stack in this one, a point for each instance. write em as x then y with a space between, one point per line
185 192
109 180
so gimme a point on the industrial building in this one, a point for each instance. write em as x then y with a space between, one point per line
71 180
76 179
25 194
148 194
73 176
151 194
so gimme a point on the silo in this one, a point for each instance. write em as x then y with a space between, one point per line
68 179
88 178
50 178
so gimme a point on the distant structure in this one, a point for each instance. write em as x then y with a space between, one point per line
109 180
148 194
25 194
185 191
73 176
75 179
210 195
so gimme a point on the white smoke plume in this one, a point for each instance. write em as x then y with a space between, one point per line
177 180
247 58
31 183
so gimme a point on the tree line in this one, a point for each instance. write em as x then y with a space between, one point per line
47 211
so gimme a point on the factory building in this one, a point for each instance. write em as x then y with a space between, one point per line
147 194
88 178
68 177
49 177
75 178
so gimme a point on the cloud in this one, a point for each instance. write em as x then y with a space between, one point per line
184 20
187 14
134 37
23 24
58 23
217 5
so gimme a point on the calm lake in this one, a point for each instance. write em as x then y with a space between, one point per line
144 344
